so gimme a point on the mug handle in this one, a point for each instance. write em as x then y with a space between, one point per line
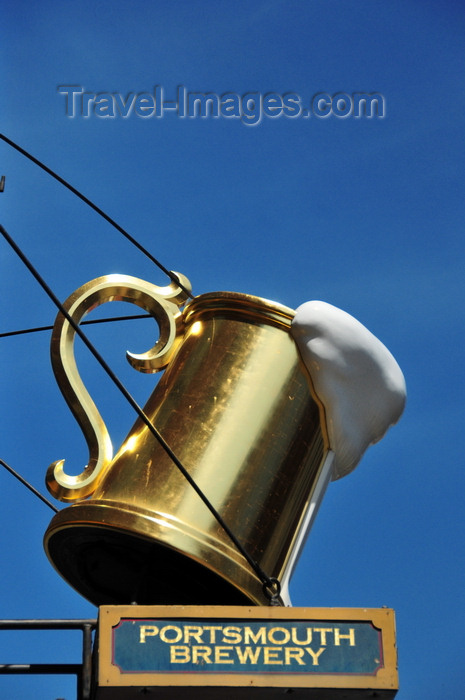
163 304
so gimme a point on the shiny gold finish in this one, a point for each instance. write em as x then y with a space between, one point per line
235 407
163 303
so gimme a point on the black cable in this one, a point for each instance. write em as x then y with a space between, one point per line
28 485
271 586
83 323
93 206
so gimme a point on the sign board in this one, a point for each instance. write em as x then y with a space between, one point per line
245 652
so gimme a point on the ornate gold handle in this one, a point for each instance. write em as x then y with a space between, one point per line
163 303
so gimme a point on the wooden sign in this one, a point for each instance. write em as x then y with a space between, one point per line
245 652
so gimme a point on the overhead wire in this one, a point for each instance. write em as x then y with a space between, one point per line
28 485
173 277
271 585
38 329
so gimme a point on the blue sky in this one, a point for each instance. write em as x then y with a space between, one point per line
366 214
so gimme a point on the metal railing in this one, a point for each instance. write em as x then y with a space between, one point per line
82 671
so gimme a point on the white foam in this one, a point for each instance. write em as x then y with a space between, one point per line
354 375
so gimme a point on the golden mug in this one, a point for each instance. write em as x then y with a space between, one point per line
236 407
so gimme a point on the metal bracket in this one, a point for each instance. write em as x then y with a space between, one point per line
82 671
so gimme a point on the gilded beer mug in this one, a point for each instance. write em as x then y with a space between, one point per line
235 406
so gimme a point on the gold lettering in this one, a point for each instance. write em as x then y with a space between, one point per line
315 654
147 631
272 632
338 636
202 653
194 631
179 655
177 631
232 635
248 654
249 636
271 655
212 629
297 641
222 655
322 631
293 653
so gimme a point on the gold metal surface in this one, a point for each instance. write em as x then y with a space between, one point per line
235 407
163 303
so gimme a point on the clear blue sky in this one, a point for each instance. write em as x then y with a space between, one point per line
366 214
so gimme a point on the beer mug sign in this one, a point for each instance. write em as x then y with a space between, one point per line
253 401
